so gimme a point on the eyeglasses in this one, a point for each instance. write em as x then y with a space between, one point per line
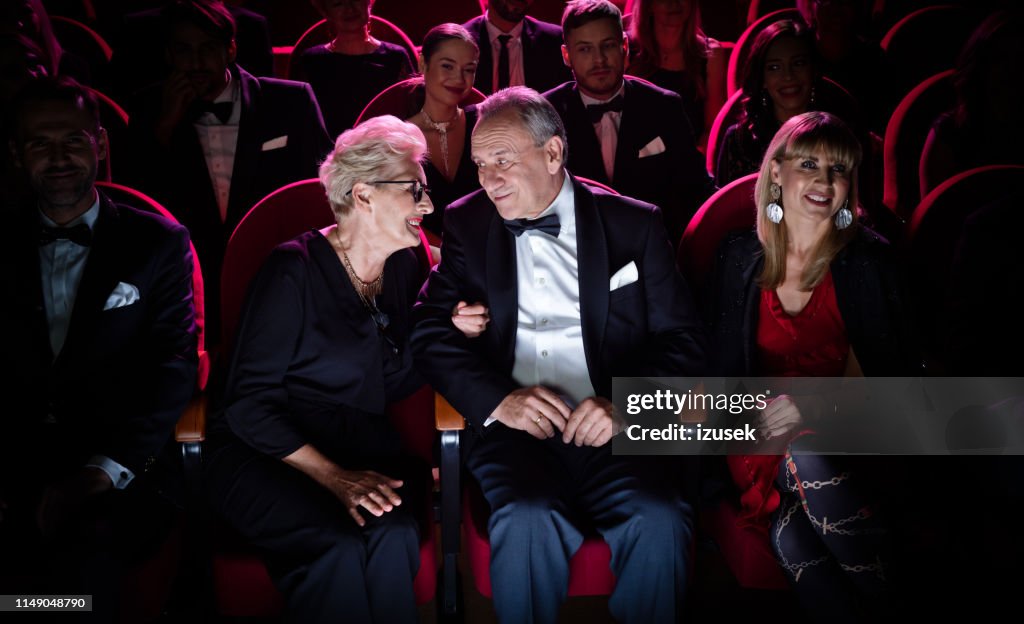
417 189
383 322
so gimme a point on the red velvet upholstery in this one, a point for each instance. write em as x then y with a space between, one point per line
243 587
380 28
933 234
760 8
404 99
746 551
926 42
727 116
416 18
730 208
745 43
114 120
905 136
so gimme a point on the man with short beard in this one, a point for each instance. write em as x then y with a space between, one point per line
515 49
101 359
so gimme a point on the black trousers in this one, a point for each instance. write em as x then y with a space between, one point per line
329 568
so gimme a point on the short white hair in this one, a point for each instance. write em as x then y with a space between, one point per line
380 148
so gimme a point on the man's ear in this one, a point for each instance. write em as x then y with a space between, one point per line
102 144
565 56
232 51
12 147
553 151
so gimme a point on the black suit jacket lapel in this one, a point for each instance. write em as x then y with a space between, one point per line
502 286
592 258
485 76
630 125
247 150
584 146
98 279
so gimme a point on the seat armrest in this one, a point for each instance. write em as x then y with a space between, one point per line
191 426
445 416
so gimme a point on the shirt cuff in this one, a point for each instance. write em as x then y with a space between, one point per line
119 475
489 421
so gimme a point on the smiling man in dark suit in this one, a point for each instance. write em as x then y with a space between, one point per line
626 132
213 140
100 357
515 49
581 286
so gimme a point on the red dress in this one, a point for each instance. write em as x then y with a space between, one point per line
811 344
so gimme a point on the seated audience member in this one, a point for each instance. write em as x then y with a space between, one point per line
348 71
137 63
212 140
101 361
812 293
30 19
778 82
306 465
21 61
624 132
538 248
515 49
848 55
985 128
449 66
668 48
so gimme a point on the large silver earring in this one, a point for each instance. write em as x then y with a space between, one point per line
844 217
774 210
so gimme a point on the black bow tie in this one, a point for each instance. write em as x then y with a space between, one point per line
597 111
221 110
549 225
79 234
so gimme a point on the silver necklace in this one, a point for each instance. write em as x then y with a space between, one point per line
442 131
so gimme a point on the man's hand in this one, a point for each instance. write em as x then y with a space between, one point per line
781 417
593 423
471 320
370 490
535 410
62 498
178 95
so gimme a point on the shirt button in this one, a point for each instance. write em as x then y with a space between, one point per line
544 353
541 281
543 321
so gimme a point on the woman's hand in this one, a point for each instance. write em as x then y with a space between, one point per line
781 417
370 490
471 320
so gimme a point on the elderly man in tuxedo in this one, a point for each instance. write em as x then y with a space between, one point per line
211 140
100 358
626 132
516 49
581 286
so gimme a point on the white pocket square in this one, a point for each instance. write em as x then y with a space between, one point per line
656 146
277 143
124 294
624 276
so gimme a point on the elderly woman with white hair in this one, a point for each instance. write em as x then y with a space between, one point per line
305 464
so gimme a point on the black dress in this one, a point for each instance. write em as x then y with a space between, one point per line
311 367
344 83
466 180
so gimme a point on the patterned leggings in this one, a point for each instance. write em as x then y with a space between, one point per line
829 538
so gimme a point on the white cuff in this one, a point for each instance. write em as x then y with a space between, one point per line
119 475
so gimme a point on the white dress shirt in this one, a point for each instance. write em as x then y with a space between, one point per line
61 265
219 141
516 74
549 336
607 131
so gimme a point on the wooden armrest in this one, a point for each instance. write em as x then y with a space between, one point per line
191 426
445 416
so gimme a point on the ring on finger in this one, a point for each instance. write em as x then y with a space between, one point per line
537 420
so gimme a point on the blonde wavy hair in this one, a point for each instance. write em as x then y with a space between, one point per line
800 137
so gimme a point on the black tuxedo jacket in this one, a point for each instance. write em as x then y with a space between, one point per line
124 375
177 176
649 327
543 68
675 179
